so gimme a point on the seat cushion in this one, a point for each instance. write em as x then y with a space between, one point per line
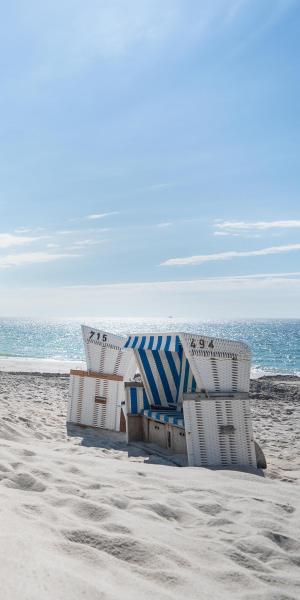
165 416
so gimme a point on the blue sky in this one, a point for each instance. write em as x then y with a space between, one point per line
150 158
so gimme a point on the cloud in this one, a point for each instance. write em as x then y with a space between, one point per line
86 244
255 296
233 234
29 258
8 239
82 231
203 258
96 216
164 225
162 186
226 283
227 227
29 230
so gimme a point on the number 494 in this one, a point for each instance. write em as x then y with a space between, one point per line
201 344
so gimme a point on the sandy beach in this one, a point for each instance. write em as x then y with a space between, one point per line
85 516
149 263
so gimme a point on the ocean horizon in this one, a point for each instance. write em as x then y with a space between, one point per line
275 343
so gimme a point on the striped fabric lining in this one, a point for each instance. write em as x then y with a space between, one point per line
153 342
161 374
166 376
164 367
136 400
174 418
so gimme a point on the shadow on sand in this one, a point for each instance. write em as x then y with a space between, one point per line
148 453
111 440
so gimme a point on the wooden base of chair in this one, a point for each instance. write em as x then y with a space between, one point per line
165 435
134 428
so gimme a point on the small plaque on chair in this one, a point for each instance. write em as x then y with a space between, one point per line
227 429
100 400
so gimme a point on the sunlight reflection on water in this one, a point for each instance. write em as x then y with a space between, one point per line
275 344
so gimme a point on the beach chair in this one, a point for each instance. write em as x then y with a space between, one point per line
193 398
96 395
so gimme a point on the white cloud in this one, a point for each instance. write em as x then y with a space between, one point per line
202 258
8 239
197 285
96 216
229 226
226 234
86 243
82 231
23 230
164 225
234 234
29 230
28 258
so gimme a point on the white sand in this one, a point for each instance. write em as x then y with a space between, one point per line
14 364
85 517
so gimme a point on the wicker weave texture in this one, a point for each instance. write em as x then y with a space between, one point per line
219 432
105 353
95 402
218 365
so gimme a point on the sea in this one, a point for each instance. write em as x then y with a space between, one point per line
275 344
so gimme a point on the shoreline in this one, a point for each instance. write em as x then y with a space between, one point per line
42 366
53 366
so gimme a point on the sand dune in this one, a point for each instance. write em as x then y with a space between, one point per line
84 516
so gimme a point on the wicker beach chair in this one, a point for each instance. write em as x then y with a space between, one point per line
96 394
193 398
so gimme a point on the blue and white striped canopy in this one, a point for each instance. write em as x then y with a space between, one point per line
165 370
165 342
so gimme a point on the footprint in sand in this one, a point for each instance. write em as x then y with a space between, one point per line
91 511
120 503
25 482
219 522
209 508
287 508
251 563
125 549
114 528
165 512
70 490
4 469
28 453
283 541
32 509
